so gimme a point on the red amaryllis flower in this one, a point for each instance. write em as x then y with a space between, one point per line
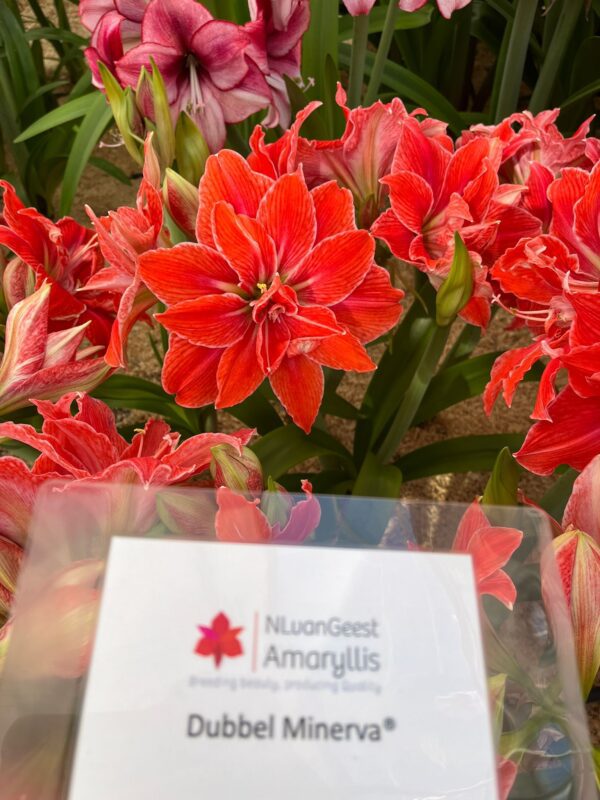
63 254
276 29
357 161
205 63
272 518
123 235
575 199
435 192
40 363
448 192
116 27
529 139
446 7
86 446
219 640
539 286
280 285
569 434
491 548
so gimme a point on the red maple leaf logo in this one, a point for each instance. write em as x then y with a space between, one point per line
219 640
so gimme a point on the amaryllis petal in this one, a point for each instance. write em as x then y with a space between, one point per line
195 453
357 7
173 22
288 215
372 308
239 372
228 177
578 560
218 44
303 520
333 268
582 511
215 320
301 406
491 548
343 351
246 245
190 372
239 519
334 210
571 435
18 489
185 272
411 198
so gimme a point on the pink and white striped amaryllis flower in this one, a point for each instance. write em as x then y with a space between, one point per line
276 29
39 363
446 7
116 27
206 65
358 7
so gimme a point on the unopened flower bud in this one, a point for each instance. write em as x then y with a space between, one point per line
240 472
181 199
152 100
187 510
276 503
455 292
191 149
124 111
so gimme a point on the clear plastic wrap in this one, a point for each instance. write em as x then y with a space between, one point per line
539 730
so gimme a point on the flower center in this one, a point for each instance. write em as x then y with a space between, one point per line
196 101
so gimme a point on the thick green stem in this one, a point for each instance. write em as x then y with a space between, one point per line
508 96
414 393
563 32
382 53
357 64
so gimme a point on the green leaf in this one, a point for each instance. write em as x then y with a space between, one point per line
409 85
338 407
257 412
55 34
583 93
503 485
287 446
556 498
377 480
462 454
74 109
129 391
460 382
406 20
92 127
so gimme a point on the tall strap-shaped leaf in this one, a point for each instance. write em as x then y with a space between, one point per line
92 127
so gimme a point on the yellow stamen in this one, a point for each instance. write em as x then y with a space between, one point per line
262 287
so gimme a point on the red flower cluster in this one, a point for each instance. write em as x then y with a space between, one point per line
526 203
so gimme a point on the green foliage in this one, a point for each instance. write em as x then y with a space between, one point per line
46 104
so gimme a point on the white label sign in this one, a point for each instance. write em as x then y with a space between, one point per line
246 671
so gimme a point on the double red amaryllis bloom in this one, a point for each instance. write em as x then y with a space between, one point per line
280 284
123 235
63 254
491 548
358 160
434 192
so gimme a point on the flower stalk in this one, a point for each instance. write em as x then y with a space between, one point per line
357 64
